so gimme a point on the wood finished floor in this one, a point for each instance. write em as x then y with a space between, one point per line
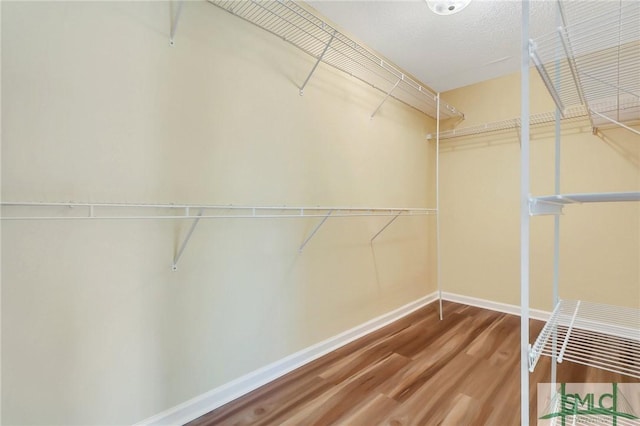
464 370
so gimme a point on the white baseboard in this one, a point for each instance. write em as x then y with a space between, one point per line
202 404
494 306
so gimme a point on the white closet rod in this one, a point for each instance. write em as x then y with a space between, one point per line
525 231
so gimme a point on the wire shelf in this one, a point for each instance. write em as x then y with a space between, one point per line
316 37
593 60
509 124
592 334
627 112
59 211
81 211
553 204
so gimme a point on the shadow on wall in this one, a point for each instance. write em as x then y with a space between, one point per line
626 146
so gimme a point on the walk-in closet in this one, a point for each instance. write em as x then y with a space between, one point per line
268 212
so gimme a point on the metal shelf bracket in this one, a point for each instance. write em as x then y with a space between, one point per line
76 211
611 120
385 227
539 207
175 17
386 97
314 231
545 77
310 33
176 258
316 64
566 45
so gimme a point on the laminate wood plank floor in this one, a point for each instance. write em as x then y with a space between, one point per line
463 370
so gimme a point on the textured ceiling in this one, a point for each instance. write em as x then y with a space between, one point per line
444 52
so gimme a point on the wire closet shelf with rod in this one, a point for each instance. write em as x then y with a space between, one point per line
589 65
591 61
83 211
299 26
310 33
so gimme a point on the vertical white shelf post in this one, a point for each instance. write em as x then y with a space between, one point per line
524 219
555 295
556 251
438 204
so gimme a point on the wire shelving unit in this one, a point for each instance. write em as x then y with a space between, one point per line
625 112
141 211
592 334
540 119
313 35
57 211
588 333
592 60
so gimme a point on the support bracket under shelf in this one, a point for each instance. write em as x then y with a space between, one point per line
386 97
176 258
566 45
309 32
617 123
175 17
540 207
533 54
318 226
83 211
385 227
316 64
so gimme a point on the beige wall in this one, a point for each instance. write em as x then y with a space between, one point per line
480 186
97 107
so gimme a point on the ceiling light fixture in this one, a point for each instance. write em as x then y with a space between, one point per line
447 7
